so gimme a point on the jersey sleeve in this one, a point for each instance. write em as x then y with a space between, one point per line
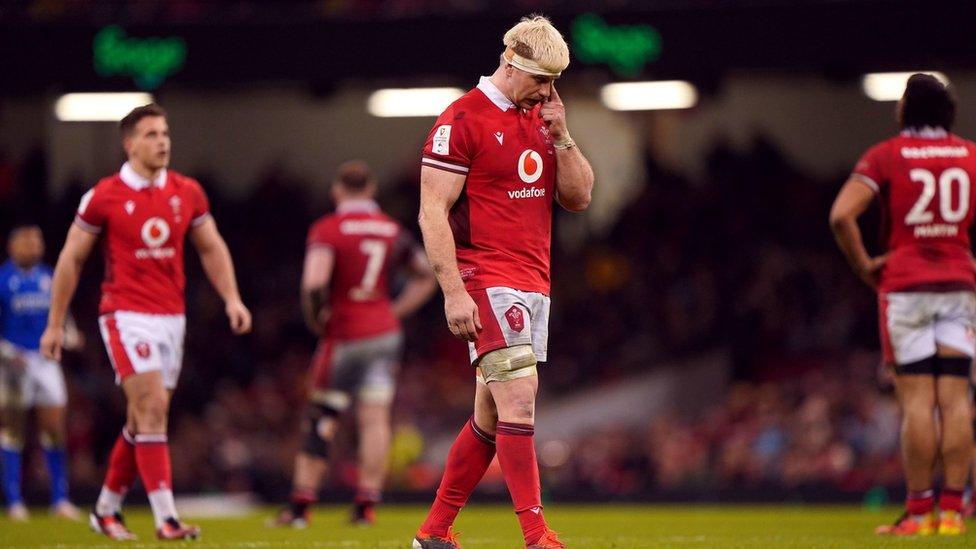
200 204
320 236
871 169
91 214
449 145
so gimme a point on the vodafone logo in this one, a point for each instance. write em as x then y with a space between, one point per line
155 232
530 166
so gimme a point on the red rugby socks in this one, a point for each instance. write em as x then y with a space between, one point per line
152 457
120 476
469 458
516 455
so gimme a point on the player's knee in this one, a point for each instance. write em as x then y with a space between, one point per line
11 437
150 412
318 430
508 363
955 410
52 439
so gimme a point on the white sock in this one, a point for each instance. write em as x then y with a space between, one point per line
109 502
163 506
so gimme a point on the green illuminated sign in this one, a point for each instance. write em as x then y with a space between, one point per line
147 60
625 48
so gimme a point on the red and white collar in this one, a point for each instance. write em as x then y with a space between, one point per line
494 94
138 182
357 205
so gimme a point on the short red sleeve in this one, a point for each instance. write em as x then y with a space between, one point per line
871 169
200 202
91 211
321 235
449 145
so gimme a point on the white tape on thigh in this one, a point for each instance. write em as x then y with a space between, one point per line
508 363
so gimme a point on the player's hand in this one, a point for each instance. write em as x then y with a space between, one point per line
239 316
51 343
871 271
462 316
553 112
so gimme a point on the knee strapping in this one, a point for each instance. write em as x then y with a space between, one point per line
318 430
954 365
508 363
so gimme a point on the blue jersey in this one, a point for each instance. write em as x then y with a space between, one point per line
25 297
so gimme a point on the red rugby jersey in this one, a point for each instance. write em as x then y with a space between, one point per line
502 221
143 224
923 180
366 245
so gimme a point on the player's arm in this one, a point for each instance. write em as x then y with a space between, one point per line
77 248
316 275
439 190
217 263
853 200
574 175
420 286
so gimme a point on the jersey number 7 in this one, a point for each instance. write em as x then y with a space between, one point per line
375 251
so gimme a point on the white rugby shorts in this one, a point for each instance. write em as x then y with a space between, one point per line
140 342
41 383
511 317
913 323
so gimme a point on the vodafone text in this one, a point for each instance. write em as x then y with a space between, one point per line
528 192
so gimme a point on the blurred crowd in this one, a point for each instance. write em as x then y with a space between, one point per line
739 259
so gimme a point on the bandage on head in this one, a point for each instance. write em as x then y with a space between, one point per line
528 65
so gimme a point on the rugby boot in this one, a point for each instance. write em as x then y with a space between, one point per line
910 525
423 540
66 510
18 512
287 518
549 540
111 526
363 514
173 529
951 523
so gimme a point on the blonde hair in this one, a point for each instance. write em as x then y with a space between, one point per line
535 38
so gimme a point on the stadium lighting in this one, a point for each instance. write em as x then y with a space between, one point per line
649 96
399 102
98 107
889 86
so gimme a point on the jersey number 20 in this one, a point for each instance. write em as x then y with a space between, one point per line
920 213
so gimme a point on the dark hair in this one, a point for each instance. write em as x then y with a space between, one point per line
354 175
20 226
927 102
128 123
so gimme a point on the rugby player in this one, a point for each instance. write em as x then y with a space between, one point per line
351 259
925 283
142 214
493 165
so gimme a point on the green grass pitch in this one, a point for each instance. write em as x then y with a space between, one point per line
490 527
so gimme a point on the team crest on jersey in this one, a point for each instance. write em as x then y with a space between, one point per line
143 350
175 203
130 206
530 166
516 321
155 232
442 140
44 283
